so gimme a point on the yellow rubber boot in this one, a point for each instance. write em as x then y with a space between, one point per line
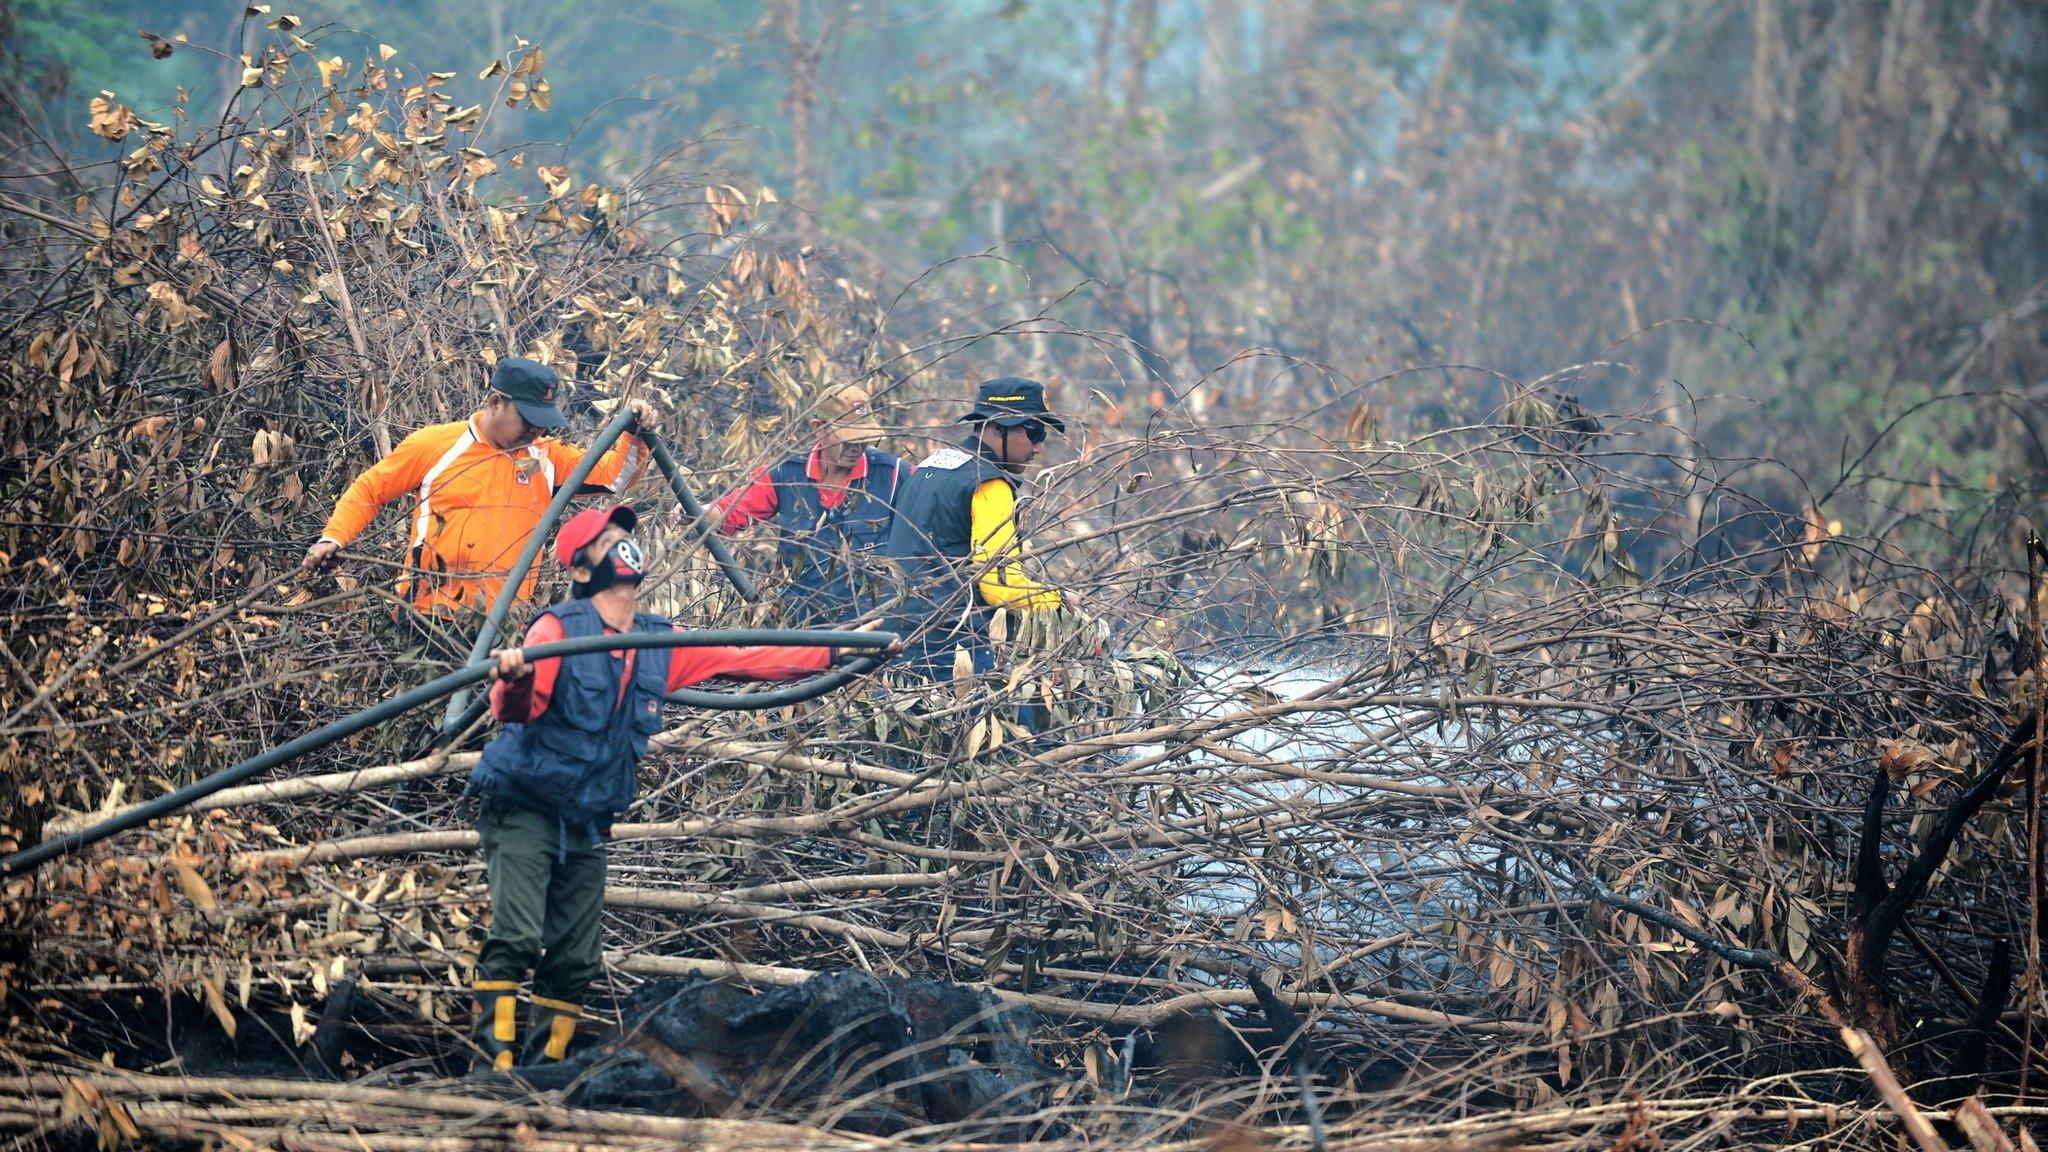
550 1025
496 1031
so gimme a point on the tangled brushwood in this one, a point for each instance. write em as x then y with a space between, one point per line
1519 782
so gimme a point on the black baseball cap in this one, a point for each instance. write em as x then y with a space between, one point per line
1010 401
530 385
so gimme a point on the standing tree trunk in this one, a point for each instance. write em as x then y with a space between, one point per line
1138 49
1222 64
1848 216
1766 103
1098 72
802 102
1432 103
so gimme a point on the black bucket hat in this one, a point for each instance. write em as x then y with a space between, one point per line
531 386
1011 401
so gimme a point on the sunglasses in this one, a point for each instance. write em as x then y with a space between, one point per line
1035 431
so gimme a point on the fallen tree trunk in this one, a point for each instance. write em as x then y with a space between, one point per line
1183 736
443 763
292 1114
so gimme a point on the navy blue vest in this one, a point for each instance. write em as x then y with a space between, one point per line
822 548
581 759
933 543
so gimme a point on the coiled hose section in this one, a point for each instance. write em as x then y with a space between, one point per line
461 710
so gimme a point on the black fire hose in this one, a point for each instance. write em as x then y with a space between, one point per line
802 692
461 710
30 858
797 693
565 491
700 521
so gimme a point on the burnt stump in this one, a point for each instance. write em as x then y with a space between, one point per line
868 1053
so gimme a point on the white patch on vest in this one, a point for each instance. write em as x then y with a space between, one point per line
946 459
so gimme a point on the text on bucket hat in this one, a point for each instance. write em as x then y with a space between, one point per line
1010 401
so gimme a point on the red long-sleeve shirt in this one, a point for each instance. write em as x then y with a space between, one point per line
522 701
758 501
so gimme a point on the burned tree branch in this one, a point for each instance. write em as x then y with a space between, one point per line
1798 983
1889 910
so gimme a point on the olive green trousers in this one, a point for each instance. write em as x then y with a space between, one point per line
547 902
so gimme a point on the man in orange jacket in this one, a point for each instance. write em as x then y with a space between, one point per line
479 489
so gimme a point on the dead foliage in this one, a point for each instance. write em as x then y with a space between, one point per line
1542 840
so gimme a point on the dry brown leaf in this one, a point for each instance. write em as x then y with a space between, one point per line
220 367
110 120
219 1005
1362 426
193 886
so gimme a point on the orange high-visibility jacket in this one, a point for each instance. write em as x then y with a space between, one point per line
475 506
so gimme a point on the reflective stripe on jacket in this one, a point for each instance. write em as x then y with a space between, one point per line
475 505
932 541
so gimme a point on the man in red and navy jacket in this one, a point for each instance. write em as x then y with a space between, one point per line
833 506
565 766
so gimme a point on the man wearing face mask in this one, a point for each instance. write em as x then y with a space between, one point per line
832 506
955 536
479 489
564 767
